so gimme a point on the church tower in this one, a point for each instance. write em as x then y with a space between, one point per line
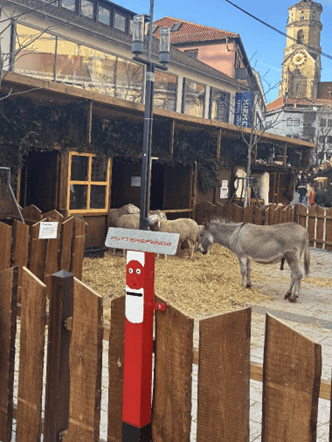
301 65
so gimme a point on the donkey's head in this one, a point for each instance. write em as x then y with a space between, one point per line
205 240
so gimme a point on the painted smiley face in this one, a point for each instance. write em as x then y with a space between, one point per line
134 275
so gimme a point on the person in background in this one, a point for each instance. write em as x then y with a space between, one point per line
310 195
302 190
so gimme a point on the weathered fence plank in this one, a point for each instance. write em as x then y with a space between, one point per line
237 213
223 378
311 224
220 210
20 250
66 236
32 338
258 216
51 259
31 214
171 419
320 227
328 239
85 365
78 243
58 369
291 380
248 214
115 358
37 249
302 214
8 298
6 244
54 214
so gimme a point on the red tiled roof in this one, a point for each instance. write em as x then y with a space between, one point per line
281 101
191 32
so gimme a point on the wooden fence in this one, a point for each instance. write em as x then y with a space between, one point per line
22 247
290 375
317 220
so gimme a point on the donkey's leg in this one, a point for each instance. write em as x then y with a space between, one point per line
296 276
243 269
248 272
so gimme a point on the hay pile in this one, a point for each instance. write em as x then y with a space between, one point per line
202 286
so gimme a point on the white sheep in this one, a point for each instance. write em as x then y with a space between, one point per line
186 227
131 221
124 210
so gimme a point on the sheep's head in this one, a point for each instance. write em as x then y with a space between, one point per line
155 225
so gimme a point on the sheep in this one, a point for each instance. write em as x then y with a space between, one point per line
124 210
186 227
131 221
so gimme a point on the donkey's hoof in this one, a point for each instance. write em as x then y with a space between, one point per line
293 299
288 295
248 286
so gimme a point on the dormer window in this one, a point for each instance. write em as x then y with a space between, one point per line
176 26
154 28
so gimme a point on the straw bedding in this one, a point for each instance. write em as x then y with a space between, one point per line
201 286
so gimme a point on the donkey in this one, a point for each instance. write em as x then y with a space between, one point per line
263 244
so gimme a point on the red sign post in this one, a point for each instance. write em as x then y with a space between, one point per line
140 305
137 374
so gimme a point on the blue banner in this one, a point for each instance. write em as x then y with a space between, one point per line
243 108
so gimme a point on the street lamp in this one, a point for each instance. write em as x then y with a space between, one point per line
164 51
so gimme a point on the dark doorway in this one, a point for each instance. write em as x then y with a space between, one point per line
125 180
39 180
157 186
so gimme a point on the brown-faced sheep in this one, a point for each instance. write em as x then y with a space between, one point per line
186 227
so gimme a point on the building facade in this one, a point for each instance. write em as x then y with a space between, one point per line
303 109
225 52
301 65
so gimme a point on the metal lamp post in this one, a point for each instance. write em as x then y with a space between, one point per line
164 51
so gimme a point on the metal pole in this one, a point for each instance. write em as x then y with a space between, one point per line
147 132
12 193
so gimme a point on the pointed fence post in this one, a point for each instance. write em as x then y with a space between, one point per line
58 374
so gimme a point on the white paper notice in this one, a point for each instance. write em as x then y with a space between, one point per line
48 230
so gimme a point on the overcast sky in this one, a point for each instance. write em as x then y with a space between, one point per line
263 46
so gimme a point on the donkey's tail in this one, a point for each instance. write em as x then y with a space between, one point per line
306 255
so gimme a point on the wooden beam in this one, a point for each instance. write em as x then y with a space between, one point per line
89 122
171 141
284 160
218 145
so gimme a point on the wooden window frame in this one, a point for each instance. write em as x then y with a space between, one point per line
88 183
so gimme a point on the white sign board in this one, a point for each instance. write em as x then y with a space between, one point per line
223 192
135 181
224 183
48 230
142 240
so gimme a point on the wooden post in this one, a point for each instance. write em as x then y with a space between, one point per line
223 377
284 160
5 241
89 122
58 373
291 381
218 145
8 296
171 141
172 381
85 361
30 385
